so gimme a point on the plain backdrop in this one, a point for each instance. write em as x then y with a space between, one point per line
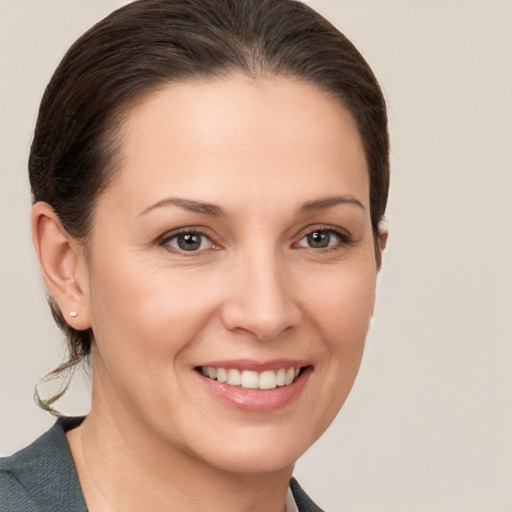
428 426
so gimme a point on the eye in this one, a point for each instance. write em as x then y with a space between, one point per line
322 239
188 241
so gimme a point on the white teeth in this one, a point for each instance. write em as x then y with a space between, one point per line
233 377
222 375
267 380
250 379
281 377
290 375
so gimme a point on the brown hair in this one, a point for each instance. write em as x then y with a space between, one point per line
149 43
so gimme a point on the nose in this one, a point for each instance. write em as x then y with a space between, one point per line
261 302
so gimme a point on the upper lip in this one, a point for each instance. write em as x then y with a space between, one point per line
257 366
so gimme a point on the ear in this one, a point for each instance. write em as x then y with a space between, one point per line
383 237
382 240
63 266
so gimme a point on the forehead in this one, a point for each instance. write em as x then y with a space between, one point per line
242 132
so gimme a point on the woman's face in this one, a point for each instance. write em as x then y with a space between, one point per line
235 241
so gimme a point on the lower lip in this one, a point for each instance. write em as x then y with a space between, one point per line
257 400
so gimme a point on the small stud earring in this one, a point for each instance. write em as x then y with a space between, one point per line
73 314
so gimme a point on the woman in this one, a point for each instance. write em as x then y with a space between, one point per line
209 180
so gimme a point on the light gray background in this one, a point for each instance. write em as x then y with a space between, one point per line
428 426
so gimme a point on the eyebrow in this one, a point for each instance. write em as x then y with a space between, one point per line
328 202
187 204
214 211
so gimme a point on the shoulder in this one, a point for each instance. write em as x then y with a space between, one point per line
13 496
303 501
42 476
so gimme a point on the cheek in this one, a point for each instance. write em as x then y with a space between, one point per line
342 307
156 313
341 315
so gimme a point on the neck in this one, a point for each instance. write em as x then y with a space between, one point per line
121 467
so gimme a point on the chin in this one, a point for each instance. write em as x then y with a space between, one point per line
262 453
252 462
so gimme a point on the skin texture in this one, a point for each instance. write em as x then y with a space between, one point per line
260 151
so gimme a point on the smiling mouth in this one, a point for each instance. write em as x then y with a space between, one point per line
249 379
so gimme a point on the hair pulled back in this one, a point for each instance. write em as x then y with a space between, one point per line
149 43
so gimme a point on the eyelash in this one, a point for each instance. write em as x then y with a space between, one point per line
343 239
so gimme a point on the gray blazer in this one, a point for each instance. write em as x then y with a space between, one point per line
43 478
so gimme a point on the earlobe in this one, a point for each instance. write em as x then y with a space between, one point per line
62 265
